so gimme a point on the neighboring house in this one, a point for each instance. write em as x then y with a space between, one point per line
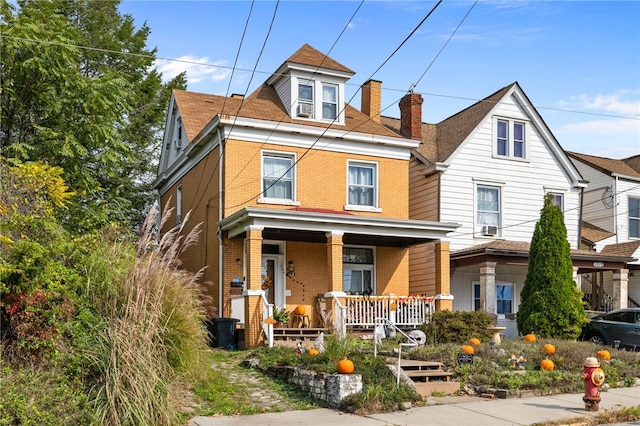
611 221
302 198
489 168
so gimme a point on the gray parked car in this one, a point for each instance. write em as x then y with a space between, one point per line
620 327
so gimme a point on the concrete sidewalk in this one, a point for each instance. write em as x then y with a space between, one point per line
464 411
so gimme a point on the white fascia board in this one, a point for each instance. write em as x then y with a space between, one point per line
296 135
320 71
564 160
312 221
625 177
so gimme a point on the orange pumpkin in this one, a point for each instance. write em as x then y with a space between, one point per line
474 342
604 354
345 366
468 349
313 352
300 310
547 364
530 338
549 348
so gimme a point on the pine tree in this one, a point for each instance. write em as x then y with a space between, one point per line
550 302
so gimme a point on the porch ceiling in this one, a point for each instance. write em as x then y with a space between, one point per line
313 226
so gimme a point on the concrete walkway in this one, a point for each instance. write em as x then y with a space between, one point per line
474 411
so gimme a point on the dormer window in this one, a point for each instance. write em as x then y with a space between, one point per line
510 139
305 100
329 101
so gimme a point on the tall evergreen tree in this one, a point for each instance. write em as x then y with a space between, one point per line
79 92
550 302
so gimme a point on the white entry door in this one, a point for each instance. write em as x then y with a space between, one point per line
273 279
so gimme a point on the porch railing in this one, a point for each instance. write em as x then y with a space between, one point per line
403 311
267 312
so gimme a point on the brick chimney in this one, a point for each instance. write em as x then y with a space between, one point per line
371 99
411 115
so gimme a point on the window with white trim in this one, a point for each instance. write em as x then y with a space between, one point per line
179 205
488 209
557 199
329 101
357 270
634 217
510 137
305 100
278 176
504 299
362 184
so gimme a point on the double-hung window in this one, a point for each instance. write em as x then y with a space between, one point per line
634 217
357 270
305 100
504 299
557 200
510 138
362 185
488 208
278 176
329 101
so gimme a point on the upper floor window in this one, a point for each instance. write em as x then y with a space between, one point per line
278 176
329 101
362 184
634 217
305 100
557 200
510 138
488 209
179 205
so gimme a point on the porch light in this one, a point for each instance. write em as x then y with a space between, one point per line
291 270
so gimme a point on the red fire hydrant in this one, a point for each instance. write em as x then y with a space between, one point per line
593 377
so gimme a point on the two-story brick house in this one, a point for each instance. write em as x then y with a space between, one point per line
489 168
299 194
611 222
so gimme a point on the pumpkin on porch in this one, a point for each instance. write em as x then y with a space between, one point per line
530 338
547 364
299 310
604 354
345 366
549 348
467 349
474 342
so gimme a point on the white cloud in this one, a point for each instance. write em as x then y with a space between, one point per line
198 69
624 103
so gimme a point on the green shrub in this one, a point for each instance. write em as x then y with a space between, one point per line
457 327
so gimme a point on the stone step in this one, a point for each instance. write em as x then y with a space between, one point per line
428 376
415 365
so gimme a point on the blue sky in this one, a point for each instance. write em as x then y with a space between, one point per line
578 61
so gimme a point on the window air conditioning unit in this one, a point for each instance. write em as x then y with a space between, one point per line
489 230
305 110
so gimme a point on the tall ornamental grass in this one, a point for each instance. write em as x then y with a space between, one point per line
150 343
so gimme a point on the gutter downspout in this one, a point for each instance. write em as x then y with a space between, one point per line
580 217
615 209
218 232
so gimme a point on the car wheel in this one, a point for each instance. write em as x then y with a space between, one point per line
597 339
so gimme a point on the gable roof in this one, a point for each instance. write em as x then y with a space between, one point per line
593 233
609 166
308 55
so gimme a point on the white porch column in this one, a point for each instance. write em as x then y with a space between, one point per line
620 288
488 287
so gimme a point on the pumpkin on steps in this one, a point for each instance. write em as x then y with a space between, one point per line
547 364
474 342
467 349
345 366
549 348
300 310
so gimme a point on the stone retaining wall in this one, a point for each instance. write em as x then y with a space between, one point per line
332 388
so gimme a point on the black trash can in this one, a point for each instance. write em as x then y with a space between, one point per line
222 332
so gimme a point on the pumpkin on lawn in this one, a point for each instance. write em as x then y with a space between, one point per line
474 342
547 364
549 348
604 354
345 366
300 310
530 338
467 349
313 352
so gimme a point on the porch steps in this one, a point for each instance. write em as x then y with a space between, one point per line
429 377
291 334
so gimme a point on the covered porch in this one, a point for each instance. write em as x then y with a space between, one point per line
357 264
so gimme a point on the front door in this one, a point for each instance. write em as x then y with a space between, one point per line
273 279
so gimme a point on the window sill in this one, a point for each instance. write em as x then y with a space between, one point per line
507 157
370 209
278 201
